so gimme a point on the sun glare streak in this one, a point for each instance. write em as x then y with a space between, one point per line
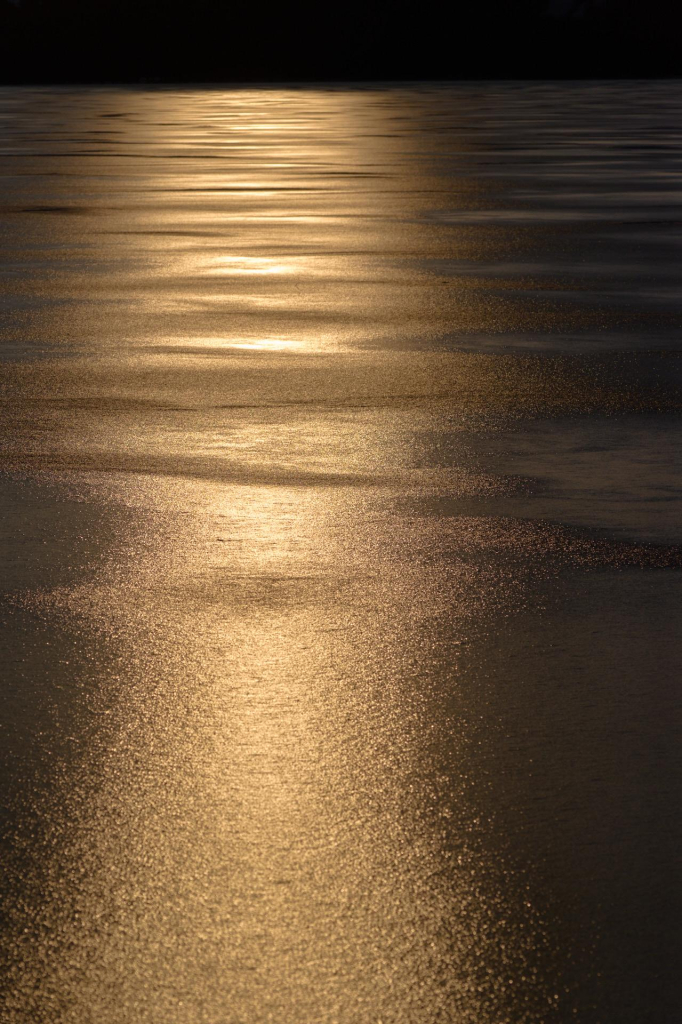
249 265
254 832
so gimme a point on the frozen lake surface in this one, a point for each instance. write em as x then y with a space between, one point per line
341 554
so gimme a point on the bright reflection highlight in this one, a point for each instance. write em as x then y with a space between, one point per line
248 344
229 266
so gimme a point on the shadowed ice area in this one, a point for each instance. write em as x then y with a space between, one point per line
341 551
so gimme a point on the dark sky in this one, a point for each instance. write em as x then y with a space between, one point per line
244 40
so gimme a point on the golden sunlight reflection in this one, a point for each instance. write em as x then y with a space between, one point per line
279 780
266 344
255 344
250 265
261 824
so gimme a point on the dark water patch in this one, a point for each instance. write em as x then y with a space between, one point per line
56 209
528 541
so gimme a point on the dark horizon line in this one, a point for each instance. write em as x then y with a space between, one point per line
304 82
